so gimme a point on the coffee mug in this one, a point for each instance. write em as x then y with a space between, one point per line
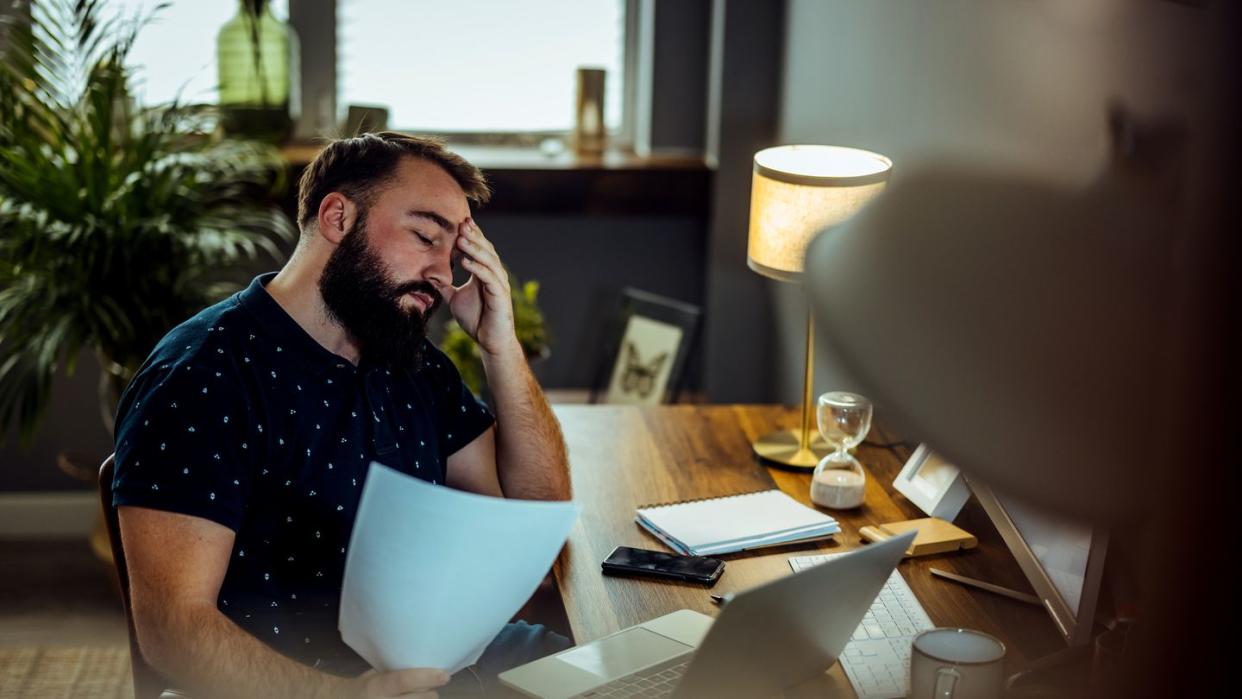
957 663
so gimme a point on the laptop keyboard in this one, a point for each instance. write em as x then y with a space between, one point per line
656 681
877 659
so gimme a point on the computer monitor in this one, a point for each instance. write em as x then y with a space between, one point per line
1063 559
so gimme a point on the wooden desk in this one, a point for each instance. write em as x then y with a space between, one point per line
624 457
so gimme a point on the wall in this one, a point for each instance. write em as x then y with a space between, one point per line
582 263
743 102
1021 85
73 424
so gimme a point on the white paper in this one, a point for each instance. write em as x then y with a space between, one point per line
433 574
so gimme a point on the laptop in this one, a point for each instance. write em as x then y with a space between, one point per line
766 639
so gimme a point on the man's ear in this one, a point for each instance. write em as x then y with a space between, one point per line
336 216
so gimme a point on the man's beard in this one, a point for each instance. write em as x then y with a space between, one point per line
360 296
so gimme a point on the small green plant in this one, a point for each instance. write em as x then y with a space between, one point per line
528 323
116 223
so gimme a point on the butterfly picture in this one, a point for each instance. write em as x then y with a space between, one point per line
640 374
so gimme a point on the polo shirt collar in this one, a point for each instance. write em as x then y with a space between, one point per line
282 329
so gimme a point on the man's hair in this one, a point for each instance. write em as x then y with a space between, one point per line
359 167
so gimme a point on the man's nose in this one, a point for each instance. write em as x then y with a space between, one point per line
440 272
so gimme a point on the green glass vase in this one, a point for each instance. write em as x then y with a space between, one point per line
258 74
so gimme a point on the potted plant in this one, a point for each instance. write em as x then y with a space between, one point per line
116 223
528 323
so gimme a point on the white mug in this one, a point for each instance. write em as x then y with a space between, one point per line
956 663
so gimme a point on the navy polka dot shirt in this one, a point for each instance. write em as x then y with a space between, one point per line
240 417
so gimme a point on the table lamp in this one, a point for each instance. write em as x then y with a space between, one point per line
797 192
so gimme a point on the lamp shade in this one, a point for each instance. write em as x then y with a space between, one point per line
798 191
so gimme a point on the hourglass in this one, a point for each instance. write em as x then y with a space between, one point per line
844 420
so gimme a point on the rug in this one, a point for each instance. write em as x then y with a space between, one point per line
51 672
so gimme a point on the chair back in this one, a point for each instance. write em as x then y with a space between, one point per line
148 684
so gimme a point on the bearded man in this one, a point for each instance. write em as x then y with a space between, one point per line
242 444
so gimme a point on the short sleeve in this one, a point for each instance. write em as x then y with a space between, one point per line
461 417
184 444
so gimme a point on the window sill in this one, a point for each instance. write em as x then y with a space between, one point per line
526 180
492 158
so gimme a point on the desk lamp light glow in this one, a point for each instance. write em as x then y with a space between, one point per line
796 192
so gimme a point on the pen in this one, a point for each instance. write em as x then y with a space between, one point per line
722 600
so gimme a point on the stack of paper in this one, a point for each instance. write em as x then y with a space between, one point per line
735 523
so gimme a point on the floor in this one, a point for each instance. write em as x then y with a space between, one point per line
55 592
63 633
65 672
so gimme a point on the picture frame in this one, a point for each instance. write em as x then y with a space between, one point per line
937 487
649 344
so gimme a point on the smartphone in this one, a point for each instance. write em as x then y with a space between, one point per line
630 561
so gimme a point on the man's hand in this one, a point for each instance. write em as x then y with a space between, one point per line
529 451
483 305
415 683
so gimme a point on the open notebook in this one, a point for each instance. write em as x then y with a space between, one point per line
735 523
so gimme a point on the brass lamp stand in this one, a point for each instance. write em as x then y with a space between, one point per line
797 192
801 448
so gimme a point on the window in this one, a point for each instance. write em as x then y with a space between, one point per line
478 65
441 66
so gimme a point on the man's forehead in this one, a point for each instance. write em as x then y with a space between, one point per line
424 190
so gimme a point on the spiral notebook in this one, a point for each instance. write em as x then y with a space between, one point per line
735 523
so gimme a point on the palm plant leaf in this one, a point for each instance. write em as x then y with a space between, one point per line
116 223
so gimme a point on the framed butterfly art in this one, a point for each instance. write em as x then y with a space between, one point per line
651 342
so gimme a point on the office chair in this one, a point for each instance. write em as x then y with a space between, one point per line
148 683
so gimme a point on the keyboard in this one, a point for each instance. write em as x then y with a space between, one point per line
657 681
877 658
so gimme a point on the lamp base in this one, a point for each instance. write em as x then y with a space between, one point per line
780 449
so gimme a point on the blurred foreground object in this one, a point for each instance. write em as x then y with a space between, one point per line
115 223
1054 343
1017 326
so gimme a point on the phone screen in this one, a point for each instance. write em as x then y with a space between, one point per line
641 561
